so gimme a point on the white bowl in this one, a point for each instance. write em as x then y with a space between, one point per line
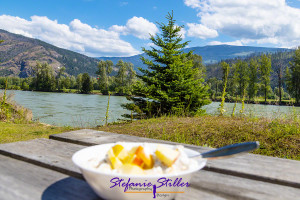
101 182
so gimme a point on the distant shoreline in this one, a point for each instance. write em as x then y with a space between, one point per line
272 102
269 102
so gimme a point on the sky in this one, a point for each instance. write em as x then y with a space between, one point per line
121 27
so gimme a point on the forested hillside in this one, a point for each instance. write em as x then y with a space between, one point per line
210 54
18 54
279 60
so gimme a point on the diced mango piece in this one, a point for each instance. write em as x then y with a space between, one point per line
115 162
110 153
131 169
147 159
166 155
151 163
120 152
137 161
131 155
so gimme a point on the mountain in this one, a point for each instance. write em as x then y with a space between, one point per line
19 53
215 53
210 54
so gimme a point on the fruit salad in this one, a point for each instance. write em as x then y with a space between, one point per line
141 160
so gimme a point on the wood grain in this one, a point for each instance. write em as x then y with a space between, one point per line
56 155
24 181
263 168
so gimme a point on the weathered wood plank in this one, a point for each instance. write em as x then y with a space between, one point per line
56 155
45 153
24 181
257 167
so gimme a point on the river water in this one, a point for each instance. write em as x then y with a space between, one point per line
82 110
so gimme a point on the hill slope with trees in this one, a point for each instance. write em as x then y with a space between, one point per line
18 54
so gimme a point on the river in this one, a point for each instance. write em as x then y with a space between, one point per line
83 110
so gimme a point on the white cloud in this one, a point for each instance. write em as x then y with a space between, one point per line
236 43
193 3
76 36
262 21
137 26
201 31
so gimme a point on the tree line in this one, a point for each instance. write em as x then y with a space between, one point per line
246 79
44 78
252 77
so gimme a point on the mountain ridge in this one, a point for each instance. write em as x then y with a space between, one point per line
18 54
210 53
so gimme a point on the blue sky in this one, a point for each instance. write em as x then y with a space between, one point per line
121 28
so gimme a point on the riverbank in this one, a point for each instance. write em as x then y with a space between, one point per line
11 132
278 138
261 101
258 100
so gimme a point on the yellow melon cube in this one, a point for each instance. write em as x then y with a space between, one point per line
131 169
166 155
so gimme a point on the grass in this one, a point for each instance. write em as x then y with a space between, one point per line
278 138
11 132
76 91
260 100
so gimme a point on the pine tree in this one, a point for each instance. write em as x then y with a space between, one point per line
265 71
253 79
278 63
169 84
294 83
288 80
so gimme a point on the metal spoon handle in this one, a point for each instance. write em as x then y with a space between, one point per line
230 150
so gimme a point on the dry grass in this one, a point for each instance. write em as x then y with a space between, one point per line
10 111
280 138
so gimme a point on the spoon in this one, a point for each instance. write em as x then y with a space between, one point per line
228 151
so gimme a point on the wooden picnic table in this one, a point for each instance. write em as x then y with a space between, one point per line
42 169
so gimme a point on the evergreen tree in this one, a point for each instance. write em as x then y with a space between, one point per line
253 79
104 70
87 85
243 76
294 82
121 77
169 85
278 65
265 71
